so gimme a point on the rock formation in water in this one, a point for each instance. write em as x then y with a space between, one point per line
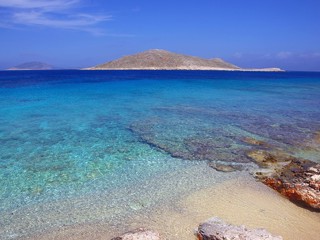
215 146
217 229
32 66
224 167
157 59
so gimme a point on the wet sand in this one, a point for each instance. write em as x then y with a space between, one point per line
240 201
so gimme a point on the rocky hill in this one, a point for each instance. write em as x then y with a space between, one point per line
161 59
32 66
157 59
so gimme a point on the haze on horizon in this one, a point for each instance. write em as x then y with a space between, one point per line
84 33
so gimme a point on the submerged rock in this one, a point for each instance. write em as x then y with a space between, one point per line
267 158
316 137
225 167
217 229
190 144
289 132
253 141
139 234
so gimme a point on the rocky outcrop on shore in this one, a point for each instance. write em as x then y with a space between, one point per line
297 179
217 229
139 234
157 59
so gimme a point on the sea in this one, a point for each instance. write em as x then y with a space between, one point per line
88 147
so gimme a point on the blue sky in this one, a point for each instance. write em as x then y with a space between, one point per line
81 33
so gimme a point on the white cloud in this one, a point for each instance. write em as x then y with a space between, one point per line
49 13
43 4
57 21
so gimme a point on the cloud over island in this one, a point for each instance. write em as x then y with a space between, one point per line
63 14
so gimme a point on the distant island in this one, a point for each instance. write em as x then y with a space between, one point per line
157 59
32 66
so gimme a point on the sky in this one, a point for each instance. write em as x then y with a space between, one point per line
83 33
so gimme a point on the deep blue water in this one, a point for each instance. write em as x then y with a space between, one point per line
66 134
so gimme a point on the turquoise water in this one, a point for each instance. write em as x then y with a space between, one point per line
67 135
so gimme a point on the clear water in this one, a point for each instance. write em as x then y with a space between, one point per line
70 135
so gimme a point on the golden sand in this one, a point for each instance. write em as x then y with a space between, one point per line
240 201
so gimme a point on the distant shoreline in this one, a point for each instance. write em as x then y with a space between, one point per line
155 59
154 69
158 59
187 69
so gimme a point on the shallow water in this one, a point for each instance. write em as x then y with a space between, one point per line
86 146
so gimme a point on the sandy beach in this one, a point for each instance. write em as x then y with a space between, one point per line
240 201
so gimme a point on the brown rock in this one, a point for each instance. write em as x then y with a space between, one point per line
299 181
139 234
